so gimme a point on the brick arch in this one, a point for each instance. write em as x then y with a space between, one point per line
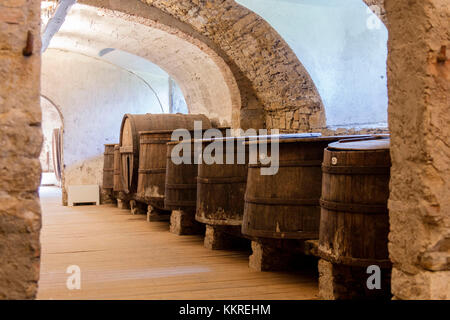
275 89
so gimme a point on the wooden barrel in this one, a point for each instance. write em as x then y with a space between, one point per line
181 179
221 187
354 223
108 167
286 205
117 182
152 167
132 124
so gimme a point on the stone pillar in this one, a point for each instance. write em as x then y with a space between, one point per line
183 223
419 117
21 138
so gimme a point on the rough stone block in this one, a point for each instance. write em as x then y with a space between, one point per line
123 204
107 196
184 223
280 255
340 282
154 214
218 238
424 285
137 207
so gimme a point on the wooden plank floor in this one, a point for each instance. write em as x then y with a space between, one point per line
122 256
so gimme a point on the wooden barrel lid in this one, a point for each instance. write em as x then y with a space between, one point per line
304 137
374 143
141 133
237 138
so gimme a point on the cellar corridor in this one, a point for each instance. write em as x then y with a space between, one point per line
122 256
315 142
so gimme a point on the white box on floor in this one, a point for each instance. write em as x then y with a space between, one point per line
83 194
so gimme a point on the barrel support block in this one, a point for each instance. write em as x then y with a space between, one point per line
123 204
154 214
182 222
338 282
223 238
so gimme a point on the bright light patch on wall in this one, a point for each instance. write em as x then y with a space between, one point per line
343 46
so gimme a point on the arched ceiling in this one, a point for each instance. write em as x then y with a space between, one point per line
272 82
95 32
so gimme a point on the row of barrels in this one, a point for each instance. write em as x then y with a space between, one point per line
334 189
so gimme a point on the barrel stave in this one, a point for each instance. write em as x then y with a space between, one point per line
152 167
108 167
117 185
132 124
181 181
221 187
286 205
354 222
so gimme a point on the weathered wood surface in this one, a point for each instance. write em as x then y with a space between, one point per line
117 182
122 197
181 179
354 222
108 167
132 124
286 205
152 167
123 257
221 187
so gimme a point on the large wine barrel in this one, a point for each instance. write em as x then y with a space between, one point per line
286 205
108 167
354 223
181 179
221 187
152 167
117 182
132 124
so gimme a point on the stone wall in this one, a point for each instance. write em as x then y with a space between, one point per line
93 104
261 60
150 35
21 138
418 79
335 40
